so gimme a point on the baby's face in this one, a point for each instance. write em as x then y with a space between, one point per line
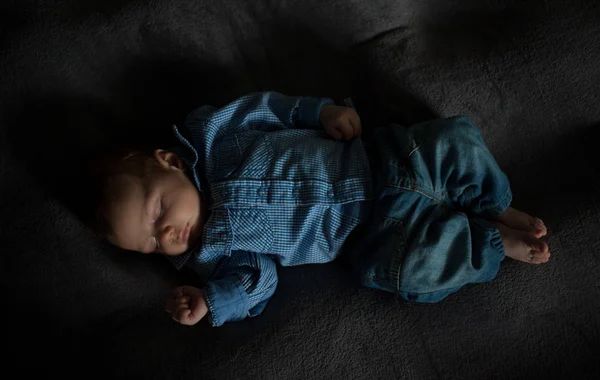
160 214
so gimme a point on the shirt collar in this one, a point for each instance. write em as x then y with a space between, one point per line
187 153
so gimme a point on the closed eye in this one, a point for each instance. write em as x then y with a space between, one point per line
158 212
157 215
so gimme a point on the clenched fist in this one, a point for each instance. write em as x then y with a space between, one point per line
340 122
187 305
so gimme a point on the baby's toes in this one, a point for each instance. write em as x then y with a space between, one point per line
539 252
535 244
539 228
539 257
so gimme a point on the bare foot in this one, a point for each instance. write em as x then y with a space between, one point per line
523 246
519 220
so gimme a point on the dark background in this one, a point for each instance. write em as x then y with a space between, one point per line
76 75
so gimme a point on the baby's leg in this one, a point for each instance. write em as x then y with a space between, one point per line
452 162
471 177
443 192
423 250
521 221
476 183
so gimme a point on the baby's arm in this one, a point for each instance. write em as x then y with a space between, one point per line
272 111
241 287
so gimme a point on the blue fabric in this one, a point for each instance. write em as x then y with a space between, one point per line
280 191
429 236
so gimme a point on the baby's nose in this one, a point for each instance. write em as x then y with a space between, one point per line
167 235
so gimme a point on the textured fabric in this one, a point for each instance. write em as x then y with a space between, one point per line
271 198
284 198
76 74
428 236
275 193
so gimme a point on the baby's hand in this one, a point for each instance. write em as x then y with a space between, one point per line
340 122
187 305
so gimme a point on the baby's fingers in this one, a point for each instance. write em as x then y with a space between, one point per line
186 316
181 314
346 130
173 303
355 123
334 133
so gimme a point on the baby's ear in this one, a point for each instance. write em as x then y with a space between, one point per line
168 160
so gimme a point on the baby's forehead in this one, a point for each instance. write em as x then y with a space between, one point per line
125 186
126 194
125 211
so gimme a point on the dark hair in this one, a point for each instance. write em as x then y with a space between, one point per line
106 166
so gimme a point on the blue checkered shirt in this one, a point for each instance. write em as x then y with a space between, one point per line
279 191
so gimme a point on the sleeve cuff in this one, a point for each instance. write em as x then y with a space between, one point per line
309 111
227 301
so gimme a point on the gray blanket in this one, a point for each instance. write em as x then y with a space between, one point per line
75 75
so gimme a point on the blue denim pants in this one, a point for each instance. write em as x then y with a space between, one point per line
437 186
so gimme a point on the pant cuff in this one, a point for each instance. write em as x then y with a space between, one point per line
497 208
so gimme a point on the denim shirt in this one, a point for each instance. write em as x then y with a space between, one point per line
278 190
